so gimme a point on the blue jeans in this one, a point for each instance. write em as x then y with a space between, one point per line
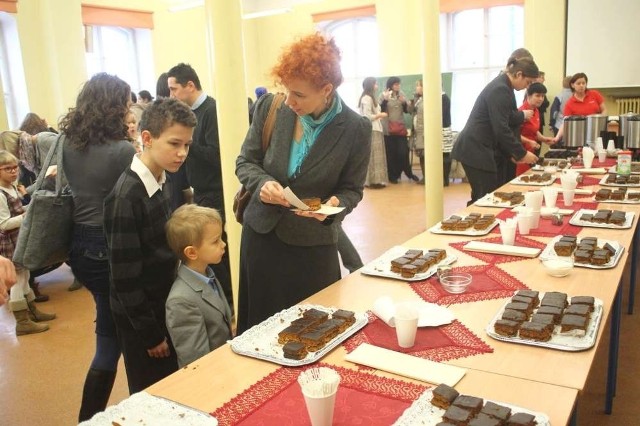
90 264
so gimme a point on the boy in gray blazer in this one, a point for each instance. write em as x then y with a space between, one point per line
198 314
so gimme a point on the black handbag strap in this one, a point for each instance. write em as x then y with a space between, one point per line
56 149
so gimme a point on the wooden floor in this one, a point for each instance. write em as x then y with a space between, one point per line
41 375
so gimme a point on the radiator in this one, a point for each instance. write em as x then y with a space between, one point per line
626 105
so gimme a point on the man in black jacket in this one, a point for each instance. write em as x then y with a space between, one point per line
203 162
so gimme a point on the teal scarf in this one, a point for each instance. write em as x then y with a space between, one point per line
310 130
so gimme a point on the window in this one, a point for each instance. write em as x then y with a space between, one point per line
358 40
14 86
476 44
124 52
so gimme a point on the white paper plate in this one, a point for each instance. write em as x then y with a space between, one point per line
604 182
562 342
575 220
423 413
381 267
144 409
518 181
437 229
550 253
490 201
261 341
429 314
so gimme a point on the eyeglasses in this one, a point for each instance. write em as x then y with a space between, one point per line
10 169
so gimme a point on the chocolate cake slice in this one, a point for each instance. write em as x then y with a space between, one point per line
506 327
443 396
496 411
294 350
468 402
522 419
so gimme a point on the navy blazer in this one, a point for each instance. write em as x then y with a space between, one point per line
492 129
336 165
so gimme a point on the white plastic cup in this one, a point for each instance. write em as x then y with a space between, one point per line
550 196
533 200
320 409
508 233
567 196
602 156
524 223
587 162
406 321
535 220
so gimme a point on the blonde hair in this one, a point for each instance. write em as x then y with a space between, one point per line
8 158
186 225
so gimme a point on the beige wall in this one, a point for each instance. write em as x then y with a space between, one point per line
54 63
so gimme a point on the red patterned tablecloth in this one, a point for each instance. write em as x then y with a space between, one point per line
439 344
493 259
545 227
362 399
489 282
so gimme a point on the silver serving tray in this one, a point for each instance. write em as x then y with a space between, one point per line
261 341
437 229
518 181
562 342
550 253
489 201
381 267
422 413
604 182
575 220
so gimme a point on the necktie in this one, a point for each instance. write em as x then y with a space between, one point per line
212 283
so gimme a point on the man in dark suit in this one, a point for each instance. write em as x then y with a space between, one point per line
203 163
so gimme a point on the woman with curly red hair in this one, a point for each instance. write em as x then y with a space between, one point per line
319 148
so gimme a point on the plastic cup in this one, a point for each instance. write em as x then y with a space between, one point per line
602 156
524 223
587 162
535 219
567 196
406 321
533 200
320 409
550 196
508 233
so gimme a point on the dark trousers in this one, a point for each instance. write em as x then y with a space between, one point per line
446 165
142 370
506 170
222 269
397 150
482 182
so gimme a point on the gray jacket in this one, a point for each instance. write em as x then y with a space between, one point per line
336 165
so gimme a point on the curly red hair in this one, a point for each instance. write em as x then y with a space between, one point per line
314 58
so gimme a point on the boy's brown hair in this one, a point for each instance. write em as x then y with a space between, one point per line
186 225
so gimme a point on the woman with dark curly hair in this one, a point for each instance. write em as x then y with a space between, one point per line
319 148
96 152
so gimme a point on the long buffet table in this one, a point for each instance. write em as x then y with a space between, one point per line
539 379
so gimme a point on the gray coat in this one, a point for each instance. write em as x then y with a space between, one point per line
336 165
197 318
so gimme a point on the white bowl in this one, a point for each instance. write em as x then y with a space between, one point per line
558 266
455 282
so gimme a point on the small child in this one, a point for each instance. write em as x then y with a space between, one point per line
22 298
143 267
198 314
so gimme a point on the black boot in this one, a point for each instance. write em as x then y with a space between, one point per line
96 392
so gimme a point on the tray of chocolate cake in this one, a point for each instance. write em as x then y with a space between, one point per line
618 195
474 224
406 264
587 252
534 179
443 405
551 320
603 218
613 179
501 199
635 168
300 335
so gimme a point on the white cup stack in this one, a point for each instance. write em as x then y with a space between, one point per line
319 387
533 201
569 179
524 221
587 157
598 146
508 231
602 156
550 196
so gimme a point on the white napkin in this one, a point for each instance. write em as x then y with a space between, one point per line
429 314
485 247
406 365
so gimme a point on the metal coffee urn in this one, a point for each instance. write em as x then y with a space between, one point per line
575 131
595 124
632 132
